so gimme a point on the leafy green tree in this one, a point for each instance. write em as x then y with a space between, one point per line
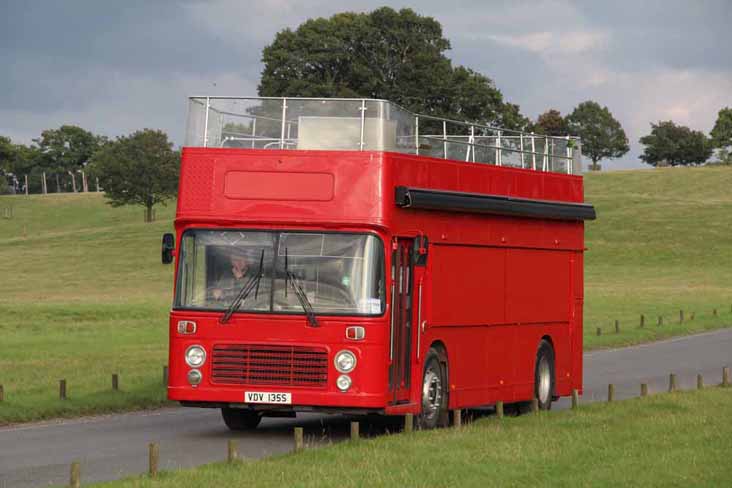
602 135
722 135
66 150
669 144
398 56
139 169
551 123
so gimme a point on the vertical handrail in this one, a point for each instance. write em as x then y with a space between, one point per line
205 123
498 150
523 155
533 151
416 134
363 121
545 163
444 139
568 153
472 143
254 130
284 117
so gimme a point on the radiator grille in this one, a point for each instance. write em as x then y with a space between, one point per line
249 364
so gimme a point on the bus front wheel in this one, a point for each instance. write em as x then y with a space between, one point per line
239 419
434 386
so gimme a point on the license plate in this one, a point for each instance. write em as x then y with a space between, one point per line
268 397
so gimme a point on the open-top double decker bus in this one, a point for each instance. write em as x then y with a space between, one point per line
348 256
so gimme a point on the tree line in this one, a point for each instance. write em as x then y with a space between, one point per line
140 168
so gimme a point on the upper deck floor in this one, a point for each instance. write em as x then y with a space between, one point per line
369 125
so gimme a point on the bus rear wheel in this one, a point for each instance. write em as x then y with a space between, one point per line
239 419
544 375
433 396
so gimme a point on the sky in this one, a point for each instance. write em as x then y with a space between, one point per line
116 67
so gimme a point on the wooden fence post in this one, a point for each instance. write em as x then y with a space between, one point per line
75 475
457 418
699 382
681 316
617 327
299 442
671 383
725 376
408 422
355 434
660 320
575 399
644 389
610 392
714 312
62 389
153 459
599 331
535 405
232 454
642 321
499 409
2 393
26 185
115 381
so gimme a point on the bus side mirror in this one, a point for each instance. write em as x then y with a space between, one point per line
420 250
168 247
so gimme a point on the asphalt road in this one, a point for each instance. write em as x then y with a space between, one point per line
111 447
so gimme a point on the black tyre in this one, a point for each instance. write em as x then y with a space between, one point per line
434 392
240 419
544 375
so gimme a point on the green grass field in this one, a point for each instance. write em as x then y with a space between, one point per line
677 439
83 294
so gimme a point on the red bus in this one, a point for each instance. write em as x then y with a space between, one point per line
348 256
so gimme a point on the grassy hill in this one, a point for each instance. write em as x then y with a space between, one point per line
83 294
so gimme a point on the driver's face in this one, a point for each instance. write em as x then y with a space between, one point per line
239 266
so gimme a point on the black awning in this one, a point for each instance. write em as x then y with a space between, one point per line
452 201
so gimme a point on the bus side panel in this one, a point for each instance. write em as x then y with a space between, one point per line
468 314
538 296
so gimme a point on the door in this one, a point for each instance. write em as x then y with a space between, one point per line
402 273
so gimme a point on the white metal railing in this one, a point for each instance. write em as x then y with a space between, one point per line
369 124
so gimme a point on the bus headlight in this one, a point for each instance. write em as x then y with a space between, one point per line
343 382
345 361
194 377
195 356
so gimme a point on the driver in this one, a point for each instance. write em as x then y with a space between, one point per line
235 275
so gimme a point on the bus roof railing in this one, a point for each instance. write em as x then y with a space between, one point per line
360 124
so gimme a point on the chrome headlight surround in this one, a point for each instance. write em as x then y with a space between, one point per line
344 361
195 356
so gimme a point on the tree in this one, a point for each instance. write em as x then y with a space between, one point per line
397 56
551 123
139 169
66 150
674 145
722 134
602 136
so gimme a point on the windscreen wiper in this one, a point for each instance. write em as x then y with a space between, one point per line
251 284
300 294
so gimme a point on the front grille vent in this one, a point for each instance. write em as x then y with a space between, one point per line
276 365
